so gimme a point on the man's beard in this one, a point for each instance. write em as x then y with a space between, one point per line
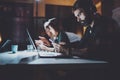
85 22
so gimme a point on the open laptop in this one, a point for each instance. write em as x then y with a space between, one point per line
41 53
5 45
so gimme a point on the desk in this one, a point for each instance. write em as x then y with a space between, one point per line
74 68
30 59
15 58
67 63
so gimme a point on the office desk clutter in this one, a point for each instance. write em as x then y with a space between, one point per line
14 48
9 58
30 47
25 57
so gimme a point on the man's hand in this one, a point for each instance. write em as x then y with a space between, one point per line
45 41
57 47
38 42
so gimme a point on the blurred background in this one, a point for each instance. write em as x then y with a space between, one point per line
17 15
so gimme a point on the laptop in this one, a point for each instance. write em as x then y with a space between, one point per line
43 54
5 45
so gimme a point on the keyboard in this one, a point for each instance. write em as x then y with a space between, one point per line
49 54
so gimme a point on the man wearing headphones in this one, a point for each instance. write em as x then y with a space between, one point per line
94 42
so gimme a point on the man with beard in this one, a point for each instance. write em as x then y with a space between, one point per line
97 40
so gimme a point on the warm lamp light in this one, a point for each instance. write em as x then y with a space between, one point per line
98 4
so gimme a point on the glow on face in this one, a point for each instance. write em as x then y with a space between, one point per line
47 30
80 15
52 30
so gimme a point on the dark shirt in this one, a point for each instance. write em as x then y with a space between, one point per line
99 38
62 37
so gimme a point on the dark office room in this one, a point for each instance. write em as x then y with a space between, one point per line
59 39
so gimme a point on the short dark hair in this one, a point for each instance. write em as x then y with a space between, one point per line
87 5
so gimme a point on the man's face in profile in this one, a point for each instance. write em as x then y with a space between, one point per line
80 15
